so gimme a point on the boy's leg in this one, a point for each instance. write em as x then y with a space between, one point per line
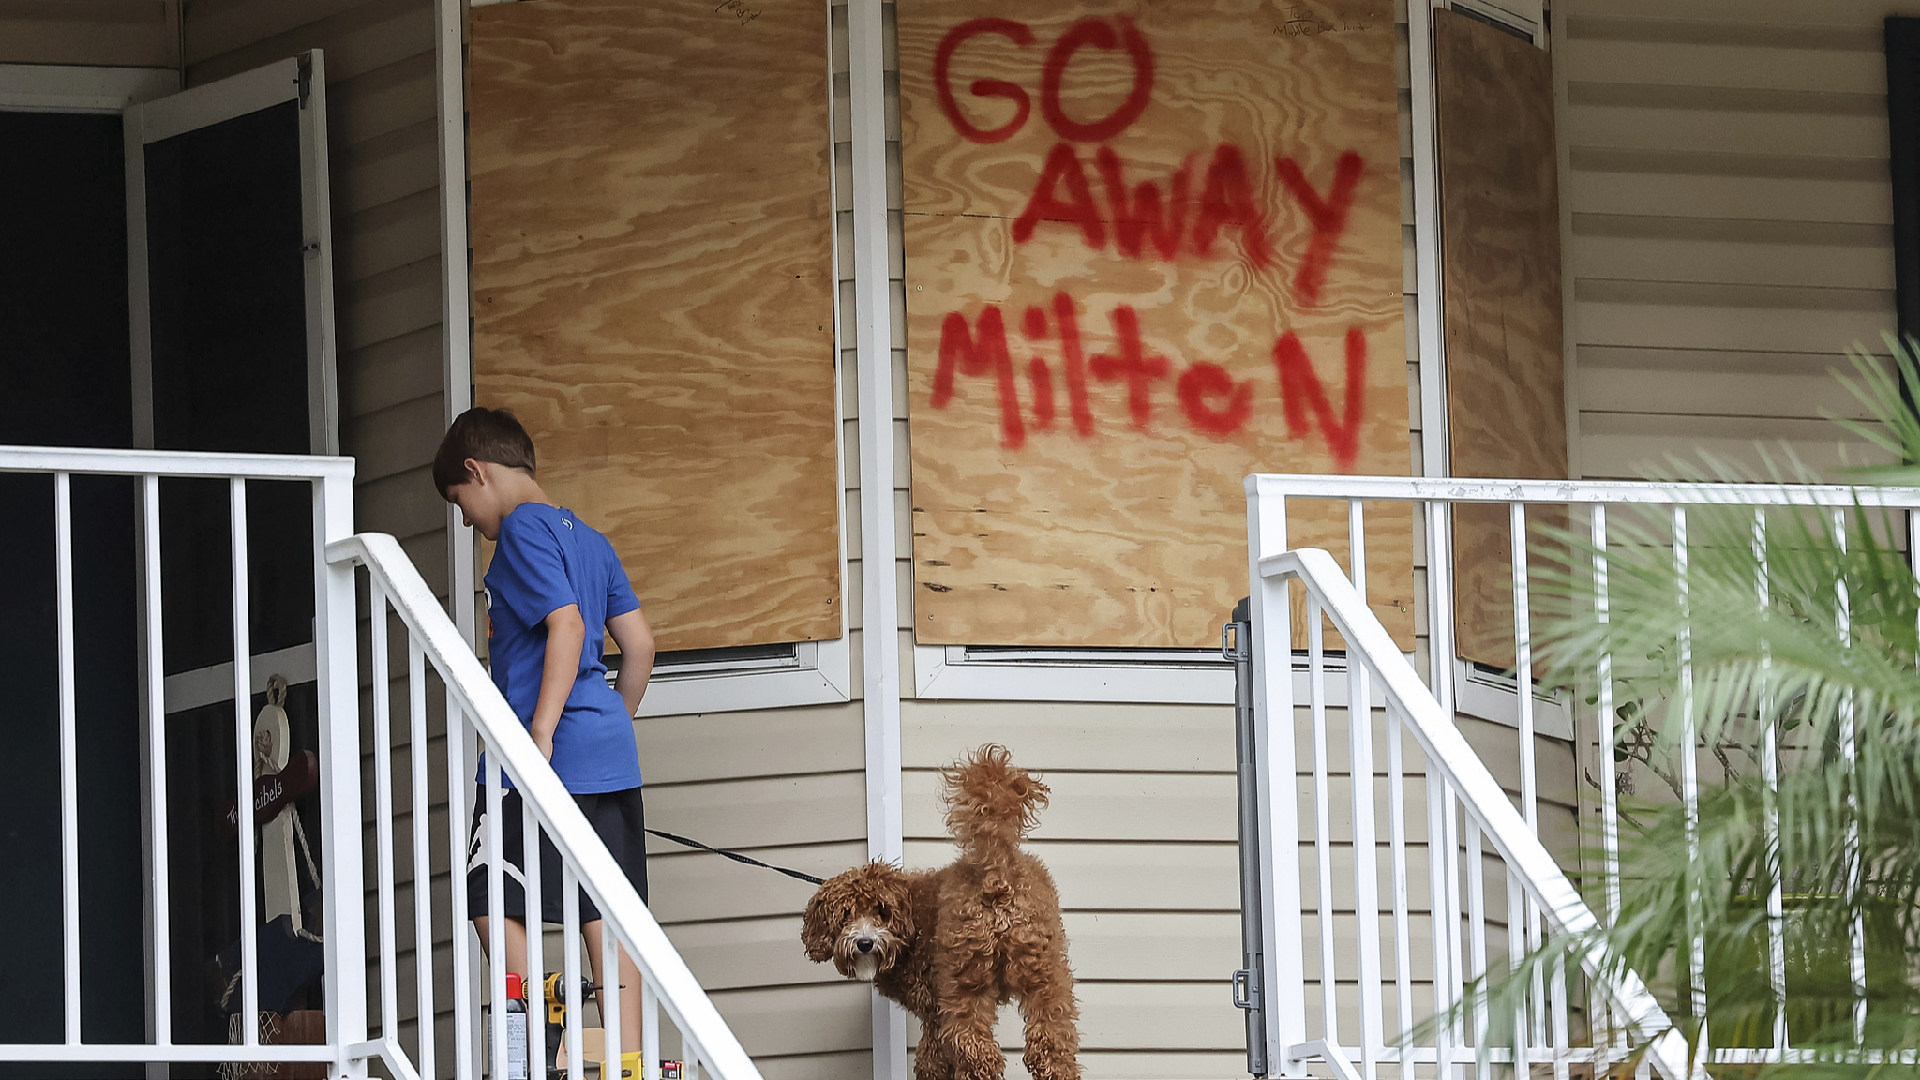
513 895
619 819
516 937
630 1030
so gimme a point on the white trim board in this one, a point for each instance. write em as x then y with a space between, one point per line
1496 698
1199 678
456 322
53 88
953 671
880 601
211 685
1202 678
1524 16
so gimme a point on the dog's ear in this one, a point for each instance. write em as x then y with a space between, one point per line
897 901
820 925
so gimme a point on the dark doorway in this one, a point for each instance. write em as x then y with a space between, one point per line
64 381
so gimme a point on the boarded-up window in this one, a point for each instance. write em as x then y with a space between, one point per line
652 294
1500 209
1150 248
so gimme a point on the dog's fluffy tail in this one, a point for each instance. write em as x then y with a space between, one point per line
991 803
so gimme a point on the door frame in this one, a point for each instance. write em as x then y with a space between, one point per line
300 78
57 88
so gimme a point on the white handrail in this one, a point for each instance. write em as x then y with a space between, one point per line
173 463
1449 754
331 481
1276 486
709 1039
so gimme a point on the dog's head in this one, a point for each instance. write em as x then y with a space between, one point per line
861 920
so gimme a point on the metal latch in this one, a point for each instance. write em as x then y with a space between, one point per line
1246 992
1233 643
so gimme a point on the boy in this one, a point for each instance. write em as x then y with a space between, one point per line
555 589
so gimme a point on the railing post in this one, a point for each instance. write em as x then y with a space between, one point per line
1283 973
1247 991
336 663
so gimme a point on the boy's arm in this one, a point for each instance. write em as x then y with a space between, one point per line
566 636
635 638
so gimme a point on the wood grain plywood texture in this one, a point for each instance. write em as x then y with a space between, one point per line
1500 216
652 294
1183 221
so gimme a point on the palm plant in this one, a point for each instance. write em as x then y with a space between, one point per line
1804 662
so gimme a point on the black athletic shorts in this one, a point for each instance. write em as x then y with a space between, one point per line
616 816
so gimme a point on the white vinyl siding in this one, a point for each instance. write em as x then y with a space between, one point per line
91 33
1730 223
786 786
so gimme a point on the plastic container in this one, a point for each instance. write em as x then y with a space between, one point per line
516 1028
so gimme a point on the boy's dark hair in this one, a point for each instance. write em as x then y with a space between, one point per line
482 434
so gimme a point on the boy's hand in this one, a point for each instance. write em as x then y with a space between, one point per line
545 743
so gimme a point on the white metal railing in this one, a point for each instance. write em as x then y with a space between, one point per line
331 480
361 1030
1467 812
474 707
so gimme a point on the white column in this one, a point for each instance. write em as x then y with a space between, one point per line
337 663
873 347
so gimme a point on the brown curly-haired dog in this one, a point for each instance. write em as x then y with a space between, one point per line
951 945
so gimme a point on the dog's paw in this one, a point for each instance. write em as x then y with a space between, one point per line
975 1057
1051 1059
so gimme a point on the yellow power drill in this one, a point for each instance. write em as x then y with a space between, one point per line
557 1026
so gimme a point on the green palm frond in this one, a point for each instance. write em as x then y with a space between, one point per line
1894 426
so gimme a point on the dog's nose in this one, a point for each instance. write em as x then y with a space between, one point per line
864 944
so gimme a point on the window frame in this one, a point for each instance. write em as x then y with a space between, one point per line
1160 676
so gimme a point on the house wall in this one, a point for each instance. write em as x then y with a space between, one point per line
92 33
1141 833
1728 235
1729 222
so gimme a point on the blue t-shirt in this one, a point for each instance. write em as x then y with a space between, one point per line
546 559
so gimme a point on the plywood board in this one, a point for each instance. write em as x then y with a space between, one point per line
1500 216
652 281
1150 248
